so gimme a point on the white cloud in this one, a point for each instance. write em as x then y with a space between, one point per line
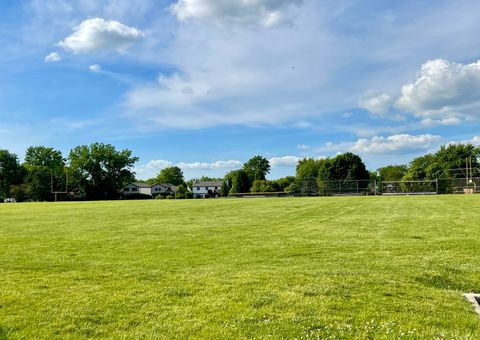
219 81
303 147
444 121
290 161
377 104
53 57
174 90
396 144
98 34
95 68
475 140
153 167
158 164
443 92
231 164
237 12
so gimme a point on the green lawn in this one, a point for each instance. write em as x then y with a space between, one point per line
350 267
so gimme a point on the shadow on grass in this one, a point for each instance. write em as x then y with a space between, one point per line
3 334
446 281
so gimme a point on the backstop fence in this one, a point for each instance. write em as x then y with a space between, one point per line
452 181
313 187
424 187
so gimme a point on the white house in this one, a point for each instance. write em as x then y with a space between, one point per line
206 189
147 189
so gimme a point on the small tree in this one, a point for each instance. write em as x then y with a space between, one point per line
224 189
181 190
240 181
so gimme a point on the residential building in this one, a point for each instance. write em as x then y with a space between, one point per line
148 190
206 189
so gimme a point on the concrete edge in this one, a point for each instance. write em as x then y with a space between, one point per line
472 298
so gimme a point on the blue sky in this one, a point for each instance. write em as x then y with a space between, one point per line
207 84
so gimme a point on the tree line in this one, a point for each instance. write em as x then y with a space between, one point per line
98 171
94 172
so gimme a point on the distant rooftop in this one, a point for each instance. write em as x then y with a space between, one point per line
207 184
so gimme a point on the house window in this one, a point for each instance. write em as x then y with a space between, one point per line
206 188
134 189
126 189
216 188
198 188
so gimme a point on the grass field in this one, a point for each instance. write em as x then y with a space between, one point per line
350 267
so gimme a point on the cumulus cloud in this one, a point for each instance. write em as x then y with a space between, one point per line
443 92
377 104
99 34
284 161
208 166
158 164
396 144
237 12
475 140
152 167
95 68
53 57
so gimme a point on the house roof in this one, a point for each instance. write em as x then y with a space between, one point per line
146 185
167 185
141 185
208 184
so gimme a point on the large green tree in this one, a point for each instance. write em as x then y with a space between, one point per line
11 172
45 172
308 168
346 166
448 157
420 168
256 168
44 156
171 175
454 156
99 170
392 172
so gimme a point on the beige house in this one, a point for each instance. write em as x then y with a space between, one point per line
147 189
